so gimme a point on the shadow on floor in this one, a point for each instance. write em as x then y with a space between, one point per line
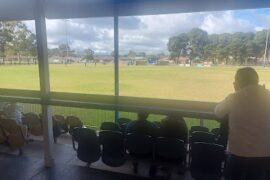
30 166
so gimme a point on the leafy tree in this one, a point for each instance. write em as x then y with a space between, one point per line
141 54
260 38
88 56
223 50
131 57
178 45
16 39
198 38
253 51
23 42
211 49
63 51
32 46
6 36
132 54
161 55
236 48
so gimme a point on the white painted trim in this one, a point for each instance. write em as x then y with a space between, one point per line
43 64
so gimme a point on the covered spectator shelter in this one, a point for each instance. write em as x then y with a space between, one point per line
39 10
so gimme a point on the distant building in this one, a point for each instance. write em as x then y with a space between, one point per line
105 59
183 60
152 60
63 60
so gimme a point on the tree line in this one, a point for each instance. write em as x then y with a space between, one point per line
16 40
66 53
228 48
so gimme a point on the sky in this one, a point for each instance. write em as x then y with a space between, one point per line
148 34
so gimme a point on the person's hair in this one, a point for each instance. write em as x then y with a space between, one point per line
246 76
175 116
142 115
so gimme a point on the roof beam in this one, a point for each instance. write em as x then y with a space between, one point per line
65 9
105 8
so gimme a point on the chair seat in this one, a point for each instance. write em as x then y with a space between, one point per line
116 160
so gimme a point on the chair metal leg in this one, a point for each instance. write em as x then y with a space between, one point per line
152 170
135 167
20 151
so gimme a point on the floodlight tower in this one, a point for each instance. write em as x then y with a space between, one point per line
266 46
66 21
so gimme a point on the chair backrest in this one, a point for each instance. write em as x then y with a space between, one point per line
34 123
198 128
157 123
10 125
74 121
88 145
40 115
216 131
3 137
123 121
31 119
113 151
14 133
139 144
60 118
174 129
206 160
110 126
3 114
76 133
112 141
170 148
199 136
75 137
63 122
123 128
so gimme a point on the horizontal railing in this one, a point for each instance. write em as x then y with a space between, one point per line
192 109
95 117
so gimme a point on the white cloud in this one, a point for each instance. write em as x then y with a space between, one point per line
143 33
225 23
259 28
154 31
80 34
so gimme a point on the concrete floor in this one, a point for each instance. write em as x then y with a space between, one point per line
29 166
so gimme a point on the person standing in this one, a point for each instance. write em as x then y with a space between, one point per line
248 110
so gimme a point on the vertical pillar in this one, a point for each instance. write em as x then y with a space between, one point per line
116 63
43 65
201 122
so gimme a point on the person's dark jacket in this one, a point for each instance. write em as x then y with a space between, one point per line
174 129
142 127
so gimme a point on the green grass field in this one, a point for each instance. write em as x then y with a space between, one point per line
167 82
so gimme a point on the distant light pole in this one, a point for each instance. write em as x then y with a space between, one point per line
66 21
266 46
